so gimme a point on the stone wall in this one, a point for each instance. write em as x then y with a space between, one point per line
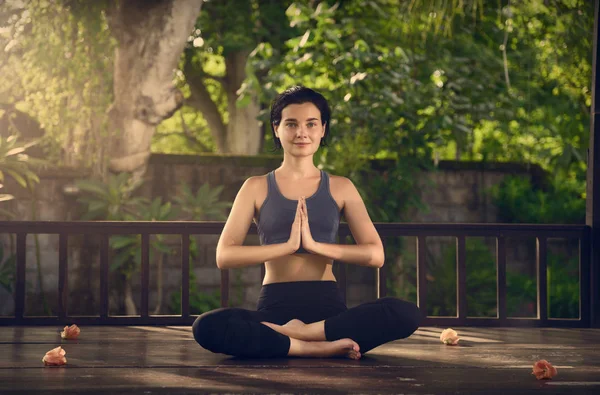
456 192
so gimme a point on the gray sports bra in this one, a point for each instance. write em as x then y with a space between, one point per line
277 215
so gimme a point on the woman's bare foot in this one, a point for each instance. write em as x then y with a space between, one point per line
322 349
301 331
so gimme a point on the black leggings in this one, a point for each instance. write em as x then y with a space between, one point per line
239 332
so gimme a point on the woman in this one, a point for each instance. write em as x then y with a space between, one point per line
297 210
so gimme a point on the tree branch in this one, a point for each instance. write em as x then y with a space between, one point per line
200 100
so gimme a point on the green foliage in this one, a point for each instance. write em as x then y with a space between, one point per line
112 200
519 202
204 205
563 285
15 163
402 92
57 68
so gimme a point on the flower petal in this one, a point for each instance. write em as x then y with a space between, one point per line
450 337
70 332
543 369
55 357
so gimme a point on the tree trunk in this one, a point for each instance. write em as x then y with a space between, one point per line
151 36
242 134
243 129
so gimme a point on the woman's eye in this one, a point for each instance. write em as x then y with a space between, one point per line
291 125
312 125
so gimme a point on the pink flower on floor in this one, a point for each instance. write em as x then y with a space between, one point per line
543 369
449 337
70 332
55 357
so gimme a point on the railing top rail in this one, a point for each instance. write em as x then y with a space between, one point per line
215 227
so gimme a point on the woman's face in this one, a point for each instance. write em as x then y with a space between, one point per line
301 129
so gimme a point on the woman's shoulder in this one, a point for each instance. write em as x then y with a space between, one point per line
255 182
340 183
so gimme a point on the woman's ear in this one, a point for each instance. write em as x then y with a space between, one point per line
275 130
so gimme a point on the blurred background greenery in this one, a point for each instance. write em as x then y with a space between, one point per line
410 83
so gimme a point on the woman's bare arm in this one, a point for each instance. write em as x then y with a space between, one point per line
230 251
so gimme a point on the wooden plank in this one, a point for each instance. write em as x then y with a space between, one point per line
166 360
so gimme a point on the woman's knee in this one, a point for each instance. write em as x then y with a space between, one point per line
407 315
208 326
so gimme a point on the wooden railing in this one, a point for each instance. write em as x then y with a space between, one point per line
386 230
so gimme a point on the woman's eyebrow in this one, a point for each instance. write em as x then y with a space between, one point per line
295 120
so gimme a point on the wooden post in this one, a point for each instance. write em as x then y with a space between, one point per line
592 218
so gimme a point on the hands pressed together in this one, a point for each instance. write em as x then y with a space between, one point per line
300 233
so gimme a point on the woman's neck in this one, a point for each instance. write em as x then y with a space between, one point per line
298 167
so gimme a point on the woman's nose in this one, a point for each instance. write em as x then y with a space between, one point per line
301 131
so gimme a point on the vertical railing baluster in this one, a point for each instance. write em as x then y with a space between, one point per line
224 287
63 281
145 274
104 276
501 278
185 275
20 275
421 275
585 276
461 279
542 282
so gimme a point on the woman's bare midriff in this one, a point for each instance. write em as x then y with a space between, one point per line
298 267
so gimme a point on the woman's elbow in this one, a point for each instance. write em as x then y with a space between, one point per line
378 259
377 263
221 260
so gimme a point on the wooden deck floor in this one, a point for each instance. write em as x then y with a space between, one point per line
159 360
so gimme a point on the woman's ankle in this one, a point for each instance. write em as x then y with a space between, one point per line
315 331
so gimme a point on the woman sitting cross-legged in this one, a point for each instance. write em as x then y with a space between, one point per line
297 209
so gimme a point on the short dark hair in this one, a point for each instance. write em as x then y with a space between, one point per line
299 95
